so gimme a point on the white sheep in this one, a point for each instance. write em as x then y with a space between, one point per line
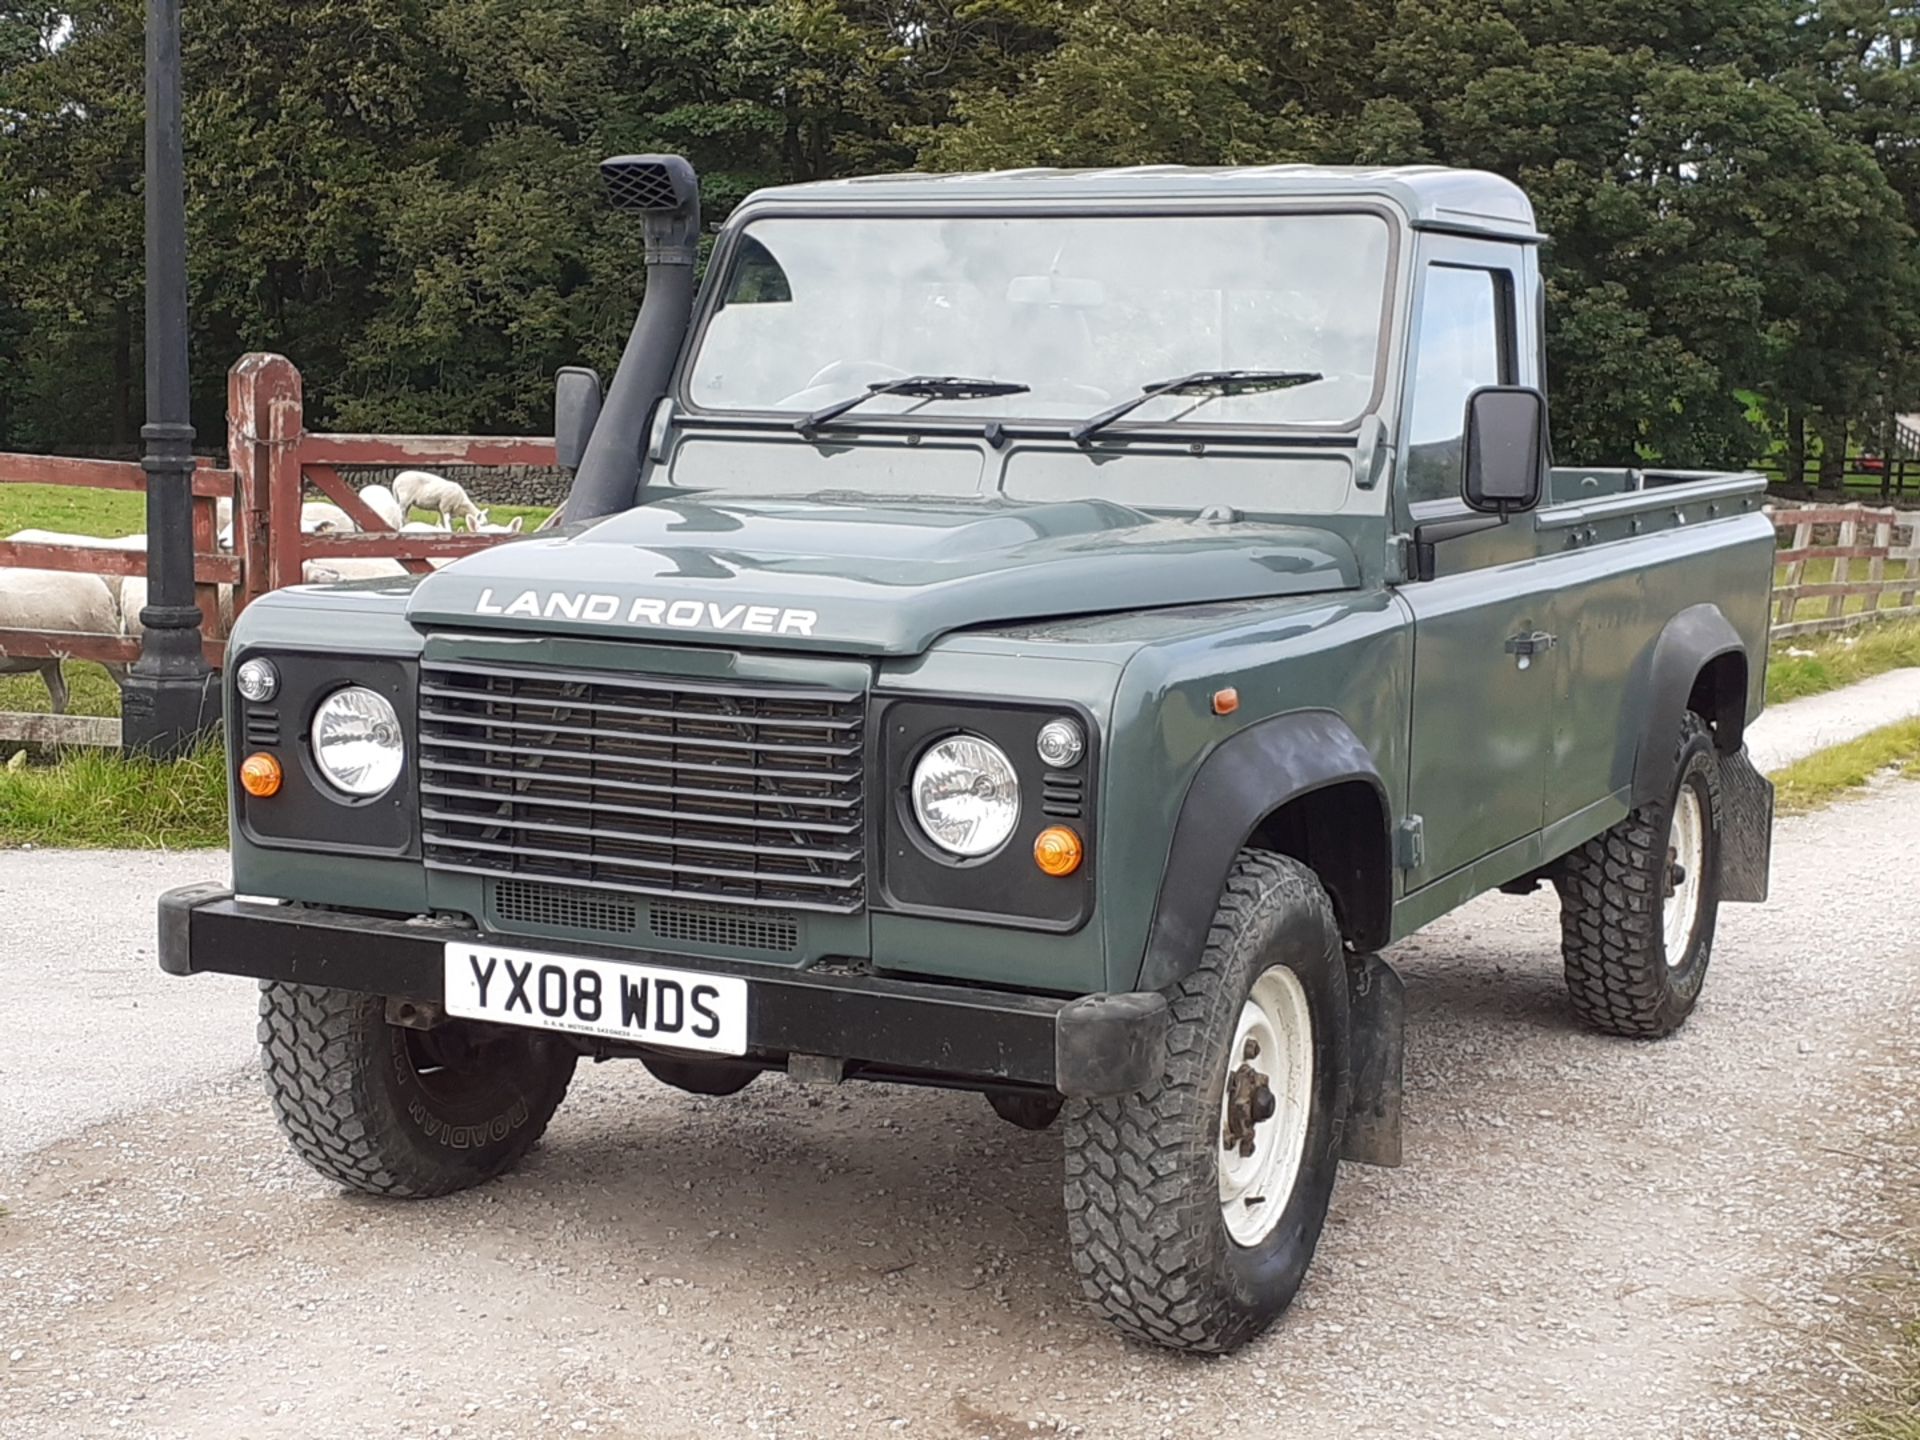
133 599
422 490
381 500
421 527
350 567
84 542
480 525
55 600
317 517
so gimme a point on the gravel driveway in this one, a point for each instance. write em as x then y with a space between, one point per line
1591 1237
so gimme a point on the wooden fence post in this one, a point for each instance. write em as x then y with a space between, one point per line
265 422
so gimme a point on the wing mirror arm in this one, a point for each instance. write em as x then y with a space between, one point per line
1503 467
1429 533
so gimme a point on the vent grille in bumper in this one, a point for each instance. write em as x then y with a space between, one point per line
644 785
564 907
739 929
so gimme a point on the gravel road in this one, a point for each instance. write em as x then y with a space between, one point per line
1791 732
104 1032
1590 1238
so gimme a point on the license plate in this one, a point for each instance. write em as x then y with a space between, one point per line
643 1003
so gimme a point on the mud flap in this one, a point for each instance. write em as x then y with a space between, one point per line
1377 1020
1746 835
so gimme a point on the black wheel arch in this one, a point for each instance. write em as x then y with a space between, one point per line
1301 784
1699 663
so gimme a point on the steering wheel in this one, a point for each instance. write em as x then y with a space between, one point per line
841 377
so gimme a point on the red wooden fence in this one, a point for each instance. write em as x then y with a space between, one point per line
273 460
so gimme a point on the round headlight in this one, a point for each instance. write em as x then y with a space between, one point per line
1061 743
257 680
966 796
357 741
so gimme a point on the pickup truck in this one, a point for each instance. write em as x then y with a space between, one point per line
1040 633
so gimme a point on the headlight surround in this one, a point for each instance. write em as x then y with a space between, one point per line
358 745
966 795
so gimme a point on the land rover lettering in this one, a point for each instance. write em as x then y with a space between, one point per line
646 610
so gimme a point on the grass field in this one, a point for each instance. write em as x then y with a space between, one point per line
1815 664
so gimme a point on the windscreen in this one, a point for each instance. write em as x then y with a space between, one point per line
1084 311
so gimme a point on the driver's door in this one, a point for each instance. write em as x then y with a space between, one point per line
1482 685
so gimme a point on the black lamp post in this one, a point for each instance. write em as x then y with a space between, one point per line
169 700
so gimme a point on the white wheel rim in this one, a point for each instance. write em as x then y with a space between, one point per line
1255 1188
1687 850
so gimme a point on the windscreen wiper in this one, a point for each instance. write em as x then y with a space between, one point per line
1208 383
927 387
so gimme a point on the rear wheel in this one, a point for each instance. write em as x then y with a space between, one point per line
1638 903
1194 1206
401 1112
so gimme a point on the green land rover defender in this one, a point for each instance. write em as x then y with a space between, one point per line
1040 633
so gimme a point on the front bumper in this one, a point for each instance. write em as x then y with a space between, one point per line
965 1035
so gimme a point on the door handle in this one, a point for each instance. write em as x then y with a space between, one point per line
1536 643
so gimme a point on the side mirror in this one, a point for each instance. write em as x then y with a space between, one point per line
1504 458
576 410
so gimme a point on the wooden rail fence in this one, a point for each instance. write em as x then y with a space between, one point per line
273 459
1848 536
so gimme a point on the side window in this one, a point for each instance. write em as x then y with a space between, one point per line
1465 329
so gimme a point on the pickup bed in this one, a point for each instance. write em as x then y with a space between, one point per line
1043 634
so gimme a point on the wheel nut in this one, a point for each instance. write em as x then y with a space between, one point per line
1263 1105
1252 1052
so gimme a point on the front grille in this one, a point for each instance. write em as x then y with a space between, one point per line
644 785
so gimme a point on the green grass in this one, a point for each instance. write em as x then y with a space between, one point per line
91 691
1831 774
1827 662
72 509
1895 1412
95 799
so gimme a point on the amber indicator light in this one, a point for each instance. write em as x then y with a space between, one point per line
1226 701
1058 851
260 776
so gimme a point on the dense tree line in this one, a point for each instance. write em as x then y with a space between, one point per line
400 194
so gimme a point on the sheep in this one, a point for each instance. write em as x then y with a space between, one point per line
421 527
422 490
85 542
480 525
317 517
61 600
381 500
133 599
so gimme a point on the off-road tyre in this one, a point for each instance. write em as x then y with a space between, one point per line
1612 892
365 1104
1029 1110
701 1077
1144 1219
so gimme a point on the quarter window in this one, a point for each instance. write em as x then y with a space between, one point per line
1463 344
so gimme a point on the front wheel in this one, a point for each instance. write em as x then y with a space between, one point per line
1638 903
1194 1206
401 1112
